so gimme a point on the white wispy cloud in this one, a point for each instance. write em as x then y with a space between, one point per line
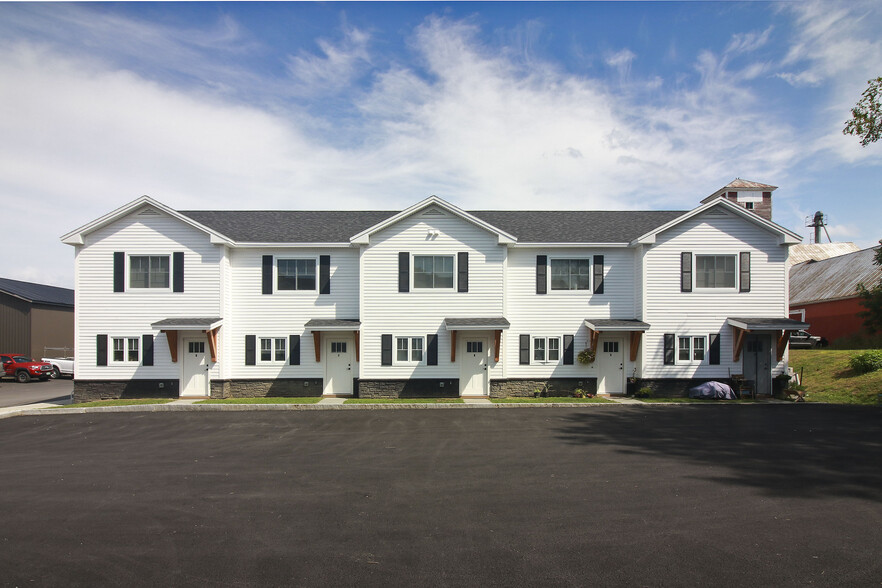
335 67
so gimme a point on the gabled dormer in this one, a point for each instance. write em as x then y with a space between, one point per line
751 196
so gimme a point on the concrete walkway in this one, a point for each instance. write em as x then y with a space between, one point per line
331 401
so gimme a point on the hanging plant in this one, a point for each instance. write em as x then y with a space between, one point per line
587 356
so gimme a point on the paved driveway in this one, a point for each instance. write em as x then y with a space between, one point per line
610 495
14 394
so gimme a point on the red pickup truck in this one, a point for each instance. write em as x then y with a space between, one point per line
23 368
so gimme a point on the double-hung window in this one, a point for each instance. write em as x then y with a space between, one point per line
691 349
570 274
273 349
714 271
433 271
126 349
296 274
409 350
546 349
148 271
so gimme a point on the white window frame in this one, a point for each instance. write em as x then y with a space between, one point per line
691 350
582 291
410 349
415 288
273 339
128 272
546 348
732 288
126 346
278 258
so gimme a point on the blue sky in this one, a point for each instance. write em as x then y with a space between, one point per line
601 105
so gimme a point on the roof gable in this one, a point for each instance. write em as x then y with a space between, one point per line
430 203
785 236
143 205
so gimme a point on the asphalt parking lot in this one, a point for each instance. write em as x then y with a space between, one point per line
614 495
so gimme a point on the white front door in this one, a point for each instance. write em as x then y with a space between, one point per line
339 355
610 366
475 358
195 378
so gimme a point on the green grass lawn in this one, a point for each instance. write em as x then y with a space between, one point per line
403 401
269 400
550 399
827 377
130 402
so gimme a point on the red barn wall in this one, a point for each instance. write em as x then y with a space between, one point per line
833 319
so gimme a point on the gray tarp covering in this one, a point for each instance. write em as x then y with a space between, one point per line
712 390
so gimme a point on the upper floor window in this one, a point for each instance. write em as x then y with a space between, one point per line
714 271
433 271
148 271
296 274
570 274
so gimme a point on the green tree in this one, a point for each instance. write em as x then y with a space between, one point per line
866 116
871 299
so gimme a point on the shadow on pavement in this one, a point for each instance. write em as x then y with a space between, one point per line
806 451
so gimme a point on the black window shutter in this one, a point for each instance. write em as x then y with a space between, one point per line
403 275
569 354
119 272
598 274
541 272
267 275
294 344
714 348
178 271
147 349
686 271
669 349
101 350
524 350
324 274
462 271
431 349
386 350
745 272
250 349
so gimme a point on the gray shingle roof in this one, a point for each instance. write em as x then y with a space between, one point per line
39 293
337 226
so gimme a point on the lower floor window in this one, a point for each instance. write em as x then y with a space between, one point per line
409 350
126 349
691 349
546 349
273 349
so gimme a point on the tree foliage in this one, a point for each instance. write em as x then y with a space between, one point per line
871 299
866 116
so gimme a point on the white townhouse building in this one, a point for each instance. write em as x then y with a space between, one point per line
429 301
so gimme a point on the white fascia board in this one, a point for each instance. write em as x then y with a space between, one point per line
254 245
77 236
363 238
570 245
784 235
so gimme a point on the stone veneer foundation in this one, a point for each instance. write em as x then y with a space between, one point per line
414 388
675 387
288 387
556 387
92 390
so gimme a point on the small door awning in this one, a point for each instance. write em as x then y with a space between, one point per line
477 324
496 324
208 325
321 325
782 327
634 327
767 324
621 325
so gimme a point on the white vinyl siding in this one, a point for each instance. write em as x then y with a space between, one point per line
100 310
422 311
705 310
